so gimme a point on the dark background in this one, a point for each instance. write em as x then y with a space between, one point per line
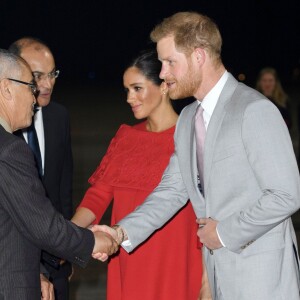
93 40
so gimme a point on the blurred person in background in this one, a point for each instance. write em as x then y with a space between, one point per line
268 83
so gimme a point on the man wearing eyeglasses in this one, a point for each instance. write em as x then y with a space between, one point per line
28 220
54 155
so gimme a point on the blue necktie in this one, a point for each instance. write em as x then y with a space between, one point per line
33 143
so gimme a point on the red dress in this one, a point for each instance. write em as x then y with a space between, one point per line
169 264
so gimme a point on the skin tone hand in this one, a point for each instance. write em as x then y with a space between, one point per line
205 293
47 290
104 243
207 233
103 256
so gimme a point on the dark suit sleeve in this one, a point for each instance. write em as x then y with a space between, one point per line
23 197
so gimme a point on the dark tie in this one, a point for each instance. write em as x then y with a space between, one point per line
200 132
34 145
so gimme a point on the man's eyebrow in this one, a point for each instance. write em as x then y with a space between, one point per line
39 72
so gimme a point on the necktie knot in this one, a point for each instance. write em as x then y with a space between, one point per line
199 113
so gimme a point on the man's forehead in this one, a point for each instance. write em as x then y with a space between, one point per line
166 43
38 60
32 51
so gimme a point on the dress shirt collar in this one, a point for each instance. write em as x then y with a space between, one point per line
5 125
37 118
38 115
210 101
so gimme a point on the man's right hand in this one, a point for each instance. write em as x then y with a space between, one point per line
105 245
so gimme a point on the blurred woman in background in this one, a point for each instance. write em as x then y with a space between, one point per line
268 83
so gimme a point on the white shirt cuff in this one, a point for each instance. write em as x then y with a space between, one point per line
220 237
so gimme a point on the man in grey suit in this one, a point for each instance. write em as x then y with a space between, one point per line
250 185
28 221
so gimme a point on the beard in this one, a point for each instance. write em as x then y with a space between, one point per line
187 85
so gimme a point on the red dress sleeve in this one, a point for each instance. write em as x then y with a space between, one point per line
129 163
97 198
99 195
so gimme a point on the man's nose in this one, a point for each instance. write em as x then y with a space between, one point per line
46 82
163 72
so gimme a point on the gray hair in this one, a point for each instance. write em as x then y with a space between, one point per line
11 65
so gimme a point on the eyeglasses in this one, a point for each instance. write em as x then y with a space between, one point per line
38 76
33 87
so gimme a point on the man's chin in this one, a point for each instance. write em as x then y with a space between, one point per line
43 101
176 95
173 94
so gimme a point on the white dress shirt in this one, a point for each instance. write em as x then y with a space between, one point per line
210 101
208 104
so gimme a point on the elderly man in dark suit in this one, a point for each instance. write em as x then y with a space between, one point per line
55 163
28 220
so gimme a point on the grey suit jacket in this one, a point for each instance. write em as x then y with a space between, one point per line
29 223
252 187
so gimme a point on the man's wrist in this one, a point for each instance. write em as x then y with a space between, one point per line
121 234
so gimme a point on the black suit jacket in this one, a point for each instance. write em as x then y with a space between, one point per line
58 167
58 170
29 223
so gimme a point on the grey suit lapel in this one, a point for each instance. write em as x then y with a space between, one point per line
215 125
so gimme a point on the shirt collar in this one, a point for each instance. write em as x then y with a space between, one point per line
210 101
5 125
38 113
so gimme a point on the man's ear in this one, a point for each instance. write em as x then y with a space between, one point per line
6 89
200 55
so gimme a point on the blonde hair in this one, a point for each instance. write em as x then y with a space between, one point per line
190 30
278 96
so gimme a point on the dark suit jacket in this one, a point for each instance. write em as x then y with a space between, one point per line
29 223
58 168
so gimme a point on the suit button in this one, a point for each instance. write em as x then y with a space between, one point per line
211 252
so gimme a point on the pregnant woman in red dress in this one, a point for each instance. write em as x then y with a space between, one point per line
168 266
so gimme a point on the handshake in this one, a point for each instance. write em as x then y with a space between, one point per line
107 240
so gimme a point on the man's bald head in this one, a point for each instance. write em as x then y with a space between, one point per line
25 42
42 64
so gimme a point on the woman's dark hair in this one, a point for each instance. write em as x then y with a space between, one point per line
149 65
